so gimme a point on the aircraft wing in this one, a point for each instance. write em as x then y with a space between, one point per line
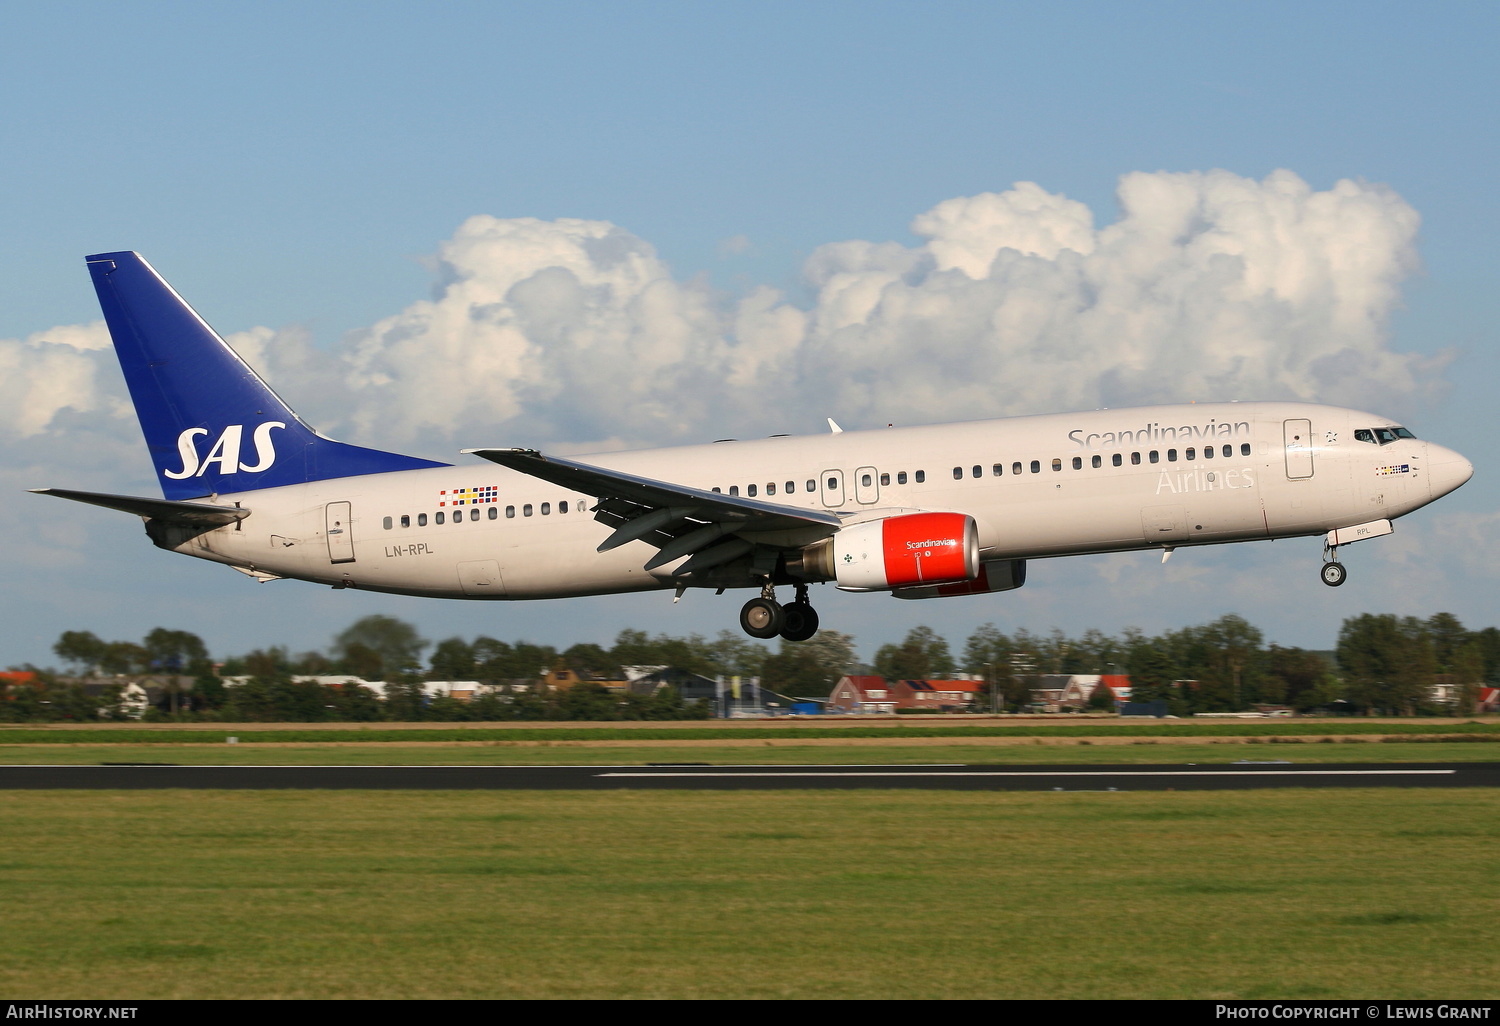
677 519
188 514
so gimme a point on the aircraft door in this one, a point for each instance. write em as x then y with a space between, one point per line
481 578
866 486
832 483
339 532
1299 453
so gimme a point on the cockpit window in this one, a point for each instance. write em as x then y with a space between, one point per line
1383 436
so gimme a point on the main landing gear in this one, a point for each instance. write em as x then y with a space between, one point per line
764 617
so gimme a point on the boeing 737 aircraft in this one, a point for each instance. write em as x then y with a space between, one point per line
922 512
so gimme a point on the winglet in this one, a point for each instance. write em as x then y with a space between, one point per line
834 427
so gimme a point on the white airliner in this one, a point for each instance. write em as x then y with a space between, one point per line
922 512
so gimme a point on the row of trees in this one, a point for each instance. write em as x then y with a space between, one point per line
1382 663
281 698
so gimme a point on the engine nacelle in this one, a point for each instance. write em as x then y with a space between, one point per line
994 575
905 551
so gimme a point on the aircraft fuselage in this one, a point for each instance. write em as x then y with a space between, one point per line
1040 486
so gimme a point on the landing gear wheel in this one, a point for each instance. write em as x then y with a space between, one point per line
1334 574
801 621
762 618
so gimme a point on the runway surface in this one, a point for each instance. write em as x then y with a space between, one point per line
1180 777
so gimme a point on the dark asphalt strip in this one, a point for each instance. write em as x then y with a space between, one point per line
949 777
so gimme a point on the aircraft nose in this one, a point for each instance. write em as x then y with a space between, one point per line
1446 470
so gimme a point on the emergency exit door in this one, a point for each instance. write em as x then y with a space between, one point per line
340 536
1299 453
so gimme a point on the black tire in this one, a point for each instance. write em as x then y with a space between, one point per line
801 621
762 618
1334 574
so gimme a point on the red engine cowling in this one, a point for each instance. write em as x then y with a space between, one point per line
908 550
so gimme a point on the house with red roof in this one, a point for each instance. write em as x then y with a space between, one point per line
935 695
861 694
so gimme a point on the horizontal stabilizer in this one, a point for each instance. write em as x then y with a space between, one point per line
188 514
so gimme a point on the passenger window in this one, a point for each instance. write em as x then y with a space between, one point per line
812 485
750 490
1116 459
901 477
716 488
494 512
1036 466
1077 462
921 476
562 507
386 523
833 484
474 513
770 487
1155 456
526 510
421 519
1057 464
1228 451
1244 448
405 520
546 509
1015 468
885 479
1191 455
791 487
866 480
1208 452
510 512
437 518
958 473
978 471
1135 459
734 489
1171 455
998 469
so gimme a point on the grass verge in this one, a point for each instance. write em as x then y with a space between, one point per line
1214 895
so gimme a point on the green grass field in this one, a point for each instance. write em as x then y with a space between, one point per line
1296 893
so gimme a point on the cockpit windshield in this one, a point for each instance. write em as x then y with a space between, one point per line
1382 435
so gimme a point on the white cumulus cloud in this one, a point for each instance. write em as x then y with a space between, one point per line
1209 286
575 333
48 372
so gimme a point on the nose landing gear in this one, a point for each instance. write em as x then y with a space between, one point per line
764 617
1333 572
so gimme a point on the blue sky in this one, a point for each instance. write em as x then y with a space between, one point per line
301 167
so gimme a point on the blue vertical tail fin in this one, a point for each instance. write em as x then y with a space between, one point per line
212 425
